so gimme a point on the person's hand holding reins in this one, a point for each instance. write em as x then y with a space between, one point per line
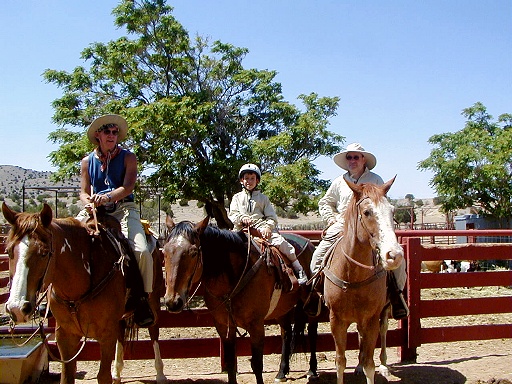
99 199
246 221
266 232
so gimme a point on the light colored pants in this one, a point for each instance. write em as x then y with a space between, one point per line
284 246
330 236
129 217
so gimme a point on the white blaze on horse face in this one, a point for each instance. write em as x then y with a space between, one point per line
179 245
391 251
18 294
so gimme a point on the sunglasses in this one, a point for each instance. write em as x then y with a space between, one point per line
356 157
105 129
114 132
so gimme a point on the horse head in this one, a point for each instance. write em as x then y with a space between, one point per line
183 261
29 246
375 215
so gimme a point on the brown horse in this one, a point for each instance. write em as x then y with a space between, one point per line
241 289
87 296
355 284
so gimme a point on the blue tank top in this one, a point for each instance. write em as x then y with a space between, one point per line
113 176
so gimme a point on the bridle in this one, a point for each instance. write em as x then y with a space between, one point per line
376 249
378 272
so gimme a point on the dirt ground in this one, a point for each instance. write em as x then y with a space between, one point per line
471 362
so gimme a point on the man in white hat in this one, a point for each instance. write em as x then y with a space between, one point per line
332 207
108 176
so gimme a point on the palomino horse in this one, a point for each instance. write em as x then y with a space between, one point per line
355 284
241 289
87 296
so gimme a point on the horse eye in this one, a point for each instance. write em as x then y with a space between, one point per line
194 251
367 213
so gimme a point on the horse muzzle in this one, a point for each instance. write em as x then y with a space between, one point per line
19 311
174 304
394 258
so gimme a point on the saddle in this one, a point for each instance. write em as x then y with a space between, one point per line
275 260
136 301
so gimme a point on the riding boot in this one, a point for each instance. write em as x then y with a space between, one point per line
313 304
399 308
137 299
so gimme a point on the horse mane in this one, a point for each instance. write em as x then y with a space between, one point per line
27 223
216 245
369 190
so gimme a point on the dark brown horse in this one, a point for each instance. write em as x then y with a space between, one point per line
355 284
87 295
241 289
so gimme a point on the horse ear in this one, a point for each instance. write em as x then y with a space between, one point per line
169 223
386 186
46 215
9 214
201 226
356 188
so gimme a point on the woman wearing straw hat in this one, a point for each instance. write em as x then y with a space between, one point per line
332 207
108 176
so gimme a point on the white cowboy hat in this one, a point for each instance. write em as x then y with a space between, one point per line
107 119
341 158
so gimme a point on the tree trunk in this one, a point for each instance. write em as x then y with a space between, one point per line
217 210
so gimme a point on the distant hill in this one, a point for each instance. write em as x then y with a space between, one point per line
38 188
12 179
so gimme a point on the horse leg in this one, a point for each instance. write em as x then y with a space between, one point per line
368 338
286 346
118 363
383 369
339 332
107 351
257 342
228 351
68 345
154 333
312 336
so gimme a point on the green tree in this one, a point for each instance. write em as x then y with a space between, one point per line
405 214
473 166
195 113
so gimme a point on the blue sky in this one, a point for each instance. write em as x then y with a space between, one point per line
403 70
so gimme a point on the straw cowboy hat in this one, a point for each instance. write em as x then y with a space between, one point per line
107 119
341 158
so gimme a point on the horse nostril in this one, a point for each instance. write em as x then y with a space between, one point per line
174 306
26 308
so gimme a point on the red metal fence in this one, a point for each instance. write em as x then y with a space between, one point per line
410 333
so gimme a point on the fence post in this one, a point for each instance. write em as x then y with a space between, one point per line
412 324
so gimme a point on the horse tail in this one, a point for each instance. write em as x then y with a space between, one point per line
129 332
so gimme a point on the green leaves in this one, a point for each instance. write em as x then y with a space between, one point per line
195 113
473 166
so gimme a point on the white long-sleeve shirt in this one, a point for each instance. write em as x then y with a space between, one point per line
255 205
335 201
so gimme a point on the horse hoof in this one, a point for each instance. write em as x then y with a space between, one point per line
384 371
280 379
312 375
